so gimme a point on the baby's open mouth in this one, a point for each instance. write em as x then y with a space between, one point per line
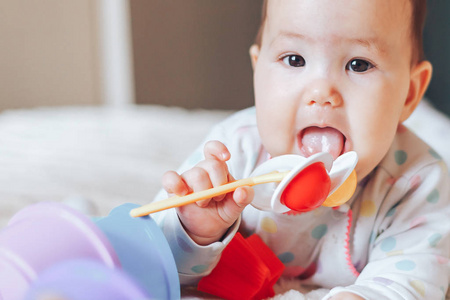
315 139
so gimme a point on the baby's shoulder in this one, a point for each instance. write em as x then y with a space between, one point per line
411 180
410 155
240 119
239 126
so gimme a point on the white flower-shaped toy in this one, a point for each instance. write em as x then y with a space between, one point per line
288 182
310 183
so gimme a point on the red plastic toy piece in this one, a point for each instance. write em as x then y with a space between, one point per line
248 269
308 189
276 267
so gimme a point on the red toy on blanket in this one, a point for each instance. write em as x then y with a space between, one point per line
248 269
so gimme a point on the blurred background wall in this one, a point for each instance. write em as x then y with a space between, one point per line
65 52
194 53
190 53
48 53
437 50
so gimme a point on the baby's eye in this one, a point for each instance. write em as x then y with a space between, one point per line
294 61
359 65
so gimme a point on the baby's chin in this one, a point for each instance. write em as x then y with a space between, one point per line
366 165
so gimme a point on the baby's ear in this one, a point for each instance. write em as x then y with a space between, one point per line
420 78
254 54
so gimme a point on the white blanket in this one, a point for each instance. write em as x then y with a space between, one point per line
112 156
106 155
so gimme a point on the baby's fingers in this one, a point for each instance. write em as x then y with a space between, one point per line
216 150
217 172
234 204
173 183
243 196
199 180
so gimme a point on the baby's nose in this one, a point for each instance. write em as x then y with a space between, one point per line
323 92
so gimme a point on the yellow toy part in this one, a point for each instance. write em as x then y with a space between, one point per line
343 193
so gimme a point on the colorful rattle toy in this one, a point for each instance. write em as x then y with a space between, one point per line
292 182
49 249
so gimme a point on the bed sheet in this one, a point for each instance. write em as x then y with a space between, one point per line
109 156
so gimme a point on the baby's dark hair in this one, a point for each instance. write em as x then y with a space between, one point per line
419 11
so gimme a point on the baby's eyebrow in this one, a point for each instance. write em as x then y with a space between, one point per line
372 44
369 43
284 34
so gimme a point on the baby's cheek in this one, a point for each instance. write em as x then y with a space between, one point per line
279 146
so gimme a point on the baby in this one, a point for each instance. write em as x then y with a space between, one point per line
333 76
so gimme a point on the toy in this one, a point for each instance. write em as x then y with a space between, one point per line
143 251
286 177
231 278
298 191
81 278
45 235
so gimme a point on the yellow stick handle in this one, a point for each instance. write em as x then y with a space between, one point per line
177 201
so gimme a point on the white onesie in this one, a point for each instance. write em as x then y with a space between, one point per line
390 241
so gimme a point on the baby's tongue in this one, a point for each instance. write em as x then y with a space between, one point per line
326 139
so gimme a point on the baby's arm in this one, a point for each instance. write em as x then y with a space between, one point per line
208 220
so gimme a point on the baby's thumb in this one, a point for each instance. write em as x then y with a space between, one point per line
234 203
243 196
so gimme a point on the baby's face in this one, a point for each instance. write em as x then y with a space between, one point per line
333 76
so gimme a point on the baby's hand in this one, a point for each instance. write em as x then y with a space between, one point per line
208 220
